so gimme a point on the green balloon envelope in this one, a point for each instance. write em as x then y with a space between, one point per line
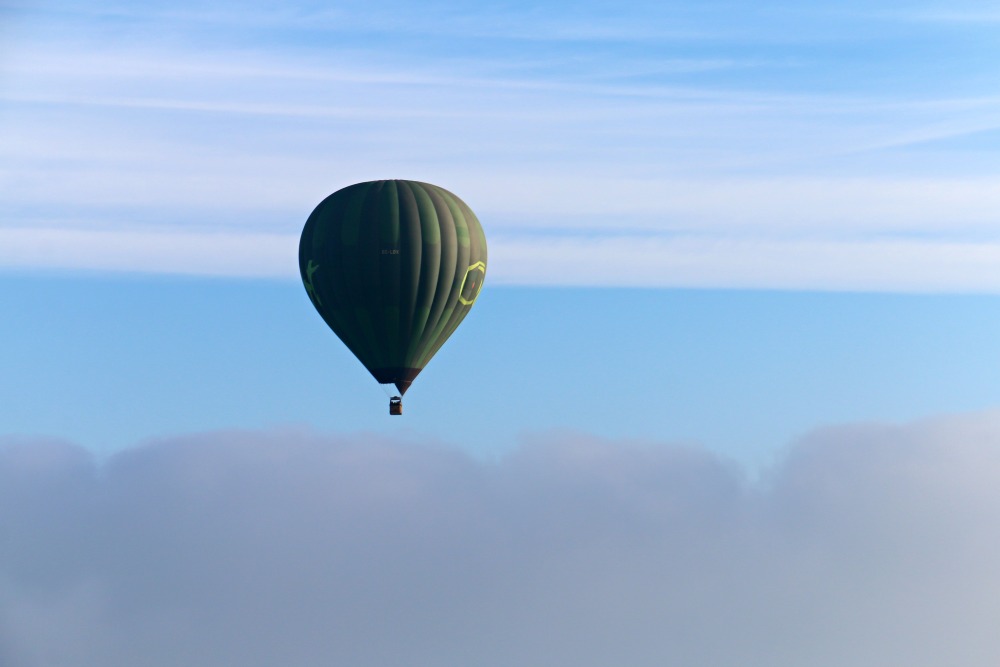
393 267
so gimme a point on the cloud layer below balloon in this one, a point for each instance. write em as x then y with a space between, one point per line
868 544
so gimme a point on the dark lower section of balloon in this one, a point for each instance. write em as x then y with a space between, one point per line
399 376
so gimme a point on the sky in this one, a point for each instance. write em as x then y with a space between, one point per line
728 396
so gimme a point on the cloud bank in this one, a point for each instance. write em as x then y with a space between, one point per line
867 545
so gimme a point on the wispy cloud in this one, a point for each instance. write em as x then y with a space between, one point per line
429 21
867 544
140 131
150 251
889 265
976 14
629 260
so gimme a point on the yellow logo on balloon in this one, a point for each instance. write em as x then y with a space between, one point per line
477 283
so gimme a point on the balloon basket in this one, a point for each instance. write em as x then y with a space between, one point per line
395 405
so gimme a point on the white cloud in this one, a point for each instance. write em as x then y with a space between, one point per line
146 141
733 262
635 260
868 545
143 251
975 13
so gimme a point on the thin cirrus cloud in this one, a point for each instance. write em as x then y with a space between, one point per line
622 261
561 132
868 544
974 14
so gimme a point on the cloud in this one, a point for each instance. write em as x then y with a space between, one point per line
890 265
150 129
950 14
212 253
868 544
622 260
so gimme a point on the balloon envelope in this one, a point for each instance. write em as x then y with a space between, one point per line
393 267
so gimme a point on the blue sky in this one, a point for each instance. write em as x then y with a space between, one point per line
837 154
737 349
109 361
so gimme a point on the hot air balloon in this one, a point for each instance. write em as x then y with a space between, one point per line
393 267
